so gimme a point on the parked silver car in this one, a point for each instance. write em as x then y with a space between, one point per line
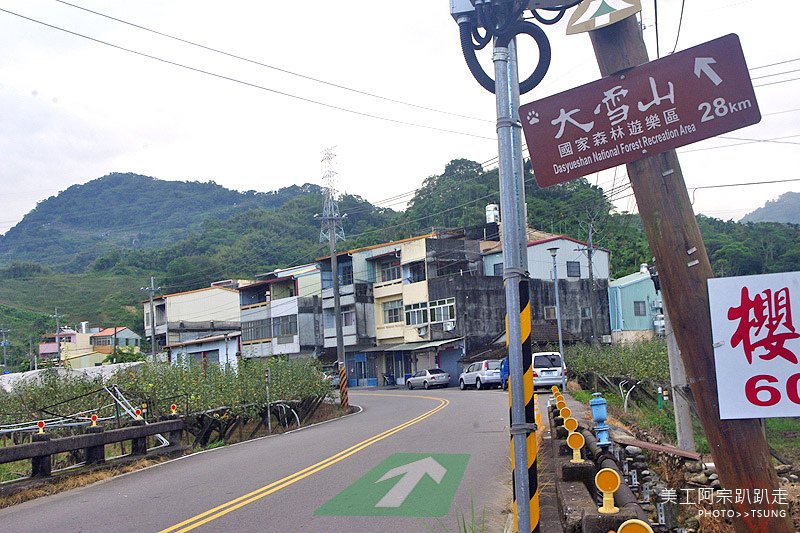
548 369
481 375
434 377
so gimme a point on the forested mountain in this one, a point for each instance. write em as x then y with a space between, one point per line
125 212
786 209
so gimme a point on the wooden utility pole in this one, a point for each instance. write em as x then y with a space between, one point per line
738 447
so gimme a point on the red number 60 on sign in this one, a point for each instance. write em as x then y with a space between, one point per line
755 392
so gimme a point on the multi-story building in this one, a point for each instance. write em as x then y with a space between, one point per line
85 346
577 293
189 315
427 298
281 313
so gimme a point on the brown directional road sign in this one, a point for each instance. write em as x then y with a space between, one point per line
683 98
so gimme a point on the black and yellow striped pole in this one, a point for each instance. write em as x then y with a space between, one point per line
344 400
528 427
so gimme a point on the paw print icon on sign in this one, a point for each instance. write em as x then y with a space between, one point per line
533 117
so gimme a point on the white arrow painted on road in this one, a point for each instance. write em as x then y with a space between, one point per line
412 474
702 65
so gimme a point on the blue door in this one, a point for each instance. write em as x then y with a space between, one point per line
448 361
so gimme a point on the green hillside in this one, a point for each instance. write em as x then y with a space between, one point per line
125 212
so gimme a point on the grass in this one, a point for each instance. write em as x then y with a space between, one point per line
465 524
72 482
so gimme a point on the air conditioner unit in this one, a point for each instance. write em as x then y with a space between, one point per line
450 325
422 331
606 339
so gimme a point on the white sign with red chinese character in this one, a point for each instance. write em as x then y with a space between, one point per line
756 344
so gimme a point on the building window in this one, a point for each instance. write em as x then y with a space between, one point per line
256 330
586 312
640 308
417 314
284 325
497 269
442 310
416 272
102 341
549 312
573 269
390 270
347 274
393 312
349 318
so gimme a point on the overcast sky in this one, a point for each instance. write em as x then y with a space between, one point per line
73 110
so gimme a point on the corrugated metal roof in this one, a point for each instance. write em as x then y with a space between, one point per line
411 346
630 279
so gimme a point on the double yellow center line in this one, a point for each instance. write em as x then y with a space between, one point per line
221 510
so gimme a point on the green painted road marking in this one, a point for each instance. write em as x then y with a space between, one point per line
405 484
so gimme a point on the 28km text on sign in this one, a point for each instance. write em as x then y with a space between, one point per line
683 98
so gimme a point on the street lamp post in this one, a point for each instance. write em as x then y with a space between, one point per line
553 252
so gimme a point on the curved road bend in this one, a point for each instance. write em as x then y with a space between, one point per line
277 484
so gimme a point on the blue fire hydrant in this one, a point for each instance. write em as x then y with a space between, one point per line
600 415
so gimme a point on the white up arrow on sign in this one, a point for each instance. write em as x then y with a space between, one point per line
412 474
702 65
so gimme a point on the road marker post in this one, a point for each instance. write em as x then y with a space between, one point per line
343 396
40 425
607 481
634 525
576 442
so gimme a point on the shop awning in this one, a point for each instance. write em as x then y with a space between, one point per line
416 346
383 348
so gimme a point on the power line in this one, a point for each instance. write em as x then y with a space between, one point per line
776 74
680 25
776 63
767 182
775 82
773 140
247 83
273 67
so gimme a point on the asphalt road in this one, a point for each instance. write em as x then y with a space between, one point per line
277 483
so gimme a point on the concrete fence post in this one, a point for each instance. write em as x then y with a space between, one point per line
95 454
139 444
41 466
